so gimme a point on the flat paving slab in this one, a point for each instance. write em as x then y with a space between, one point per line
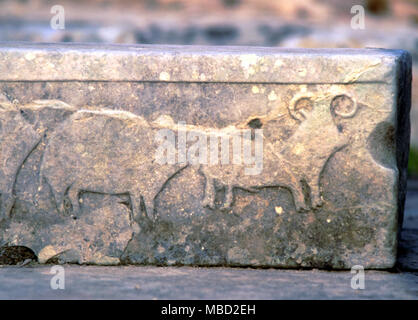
95 282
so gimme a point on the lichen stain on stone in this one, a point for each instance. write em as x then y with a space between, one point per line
272 96
164 76
249 63
279 210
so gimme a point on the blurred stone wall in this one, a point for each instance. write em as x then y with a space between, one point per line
297 23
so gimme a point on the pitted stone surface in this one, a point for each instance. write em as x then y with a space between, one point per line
81 181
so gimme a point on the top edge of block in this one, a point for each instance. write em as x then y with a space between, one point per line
21 61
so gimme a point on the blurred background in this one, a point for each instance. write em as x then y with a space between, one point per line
281 23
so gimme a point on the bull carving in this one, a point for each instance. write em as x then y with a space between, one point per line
104 151
112 152
296 162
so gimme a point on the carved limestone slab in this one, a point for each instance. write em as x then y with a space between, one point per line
203 155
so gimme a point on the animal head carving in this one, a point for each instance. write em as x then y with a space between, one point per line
341 105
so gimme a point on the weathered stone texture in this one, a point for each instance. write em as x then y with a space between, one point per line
80 181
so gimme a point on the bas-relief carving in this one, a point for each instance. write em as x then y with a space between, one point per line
106 152
296 161
111 152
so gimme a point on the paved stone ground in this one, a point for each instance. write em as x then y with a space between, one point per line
88 282
129 282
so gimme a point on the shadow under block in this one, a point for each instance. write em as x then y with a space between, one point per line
322 184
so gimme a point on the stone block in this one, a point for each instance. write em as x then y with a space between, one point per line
177 155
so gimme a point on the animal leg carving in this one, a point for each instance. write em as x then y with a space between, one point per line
149 206
209 198
316 199
298 195
73 193
135 205
229 197
59 201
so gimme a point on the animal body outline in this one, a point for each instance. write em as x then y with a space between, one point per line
289 178
296 168
70 185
